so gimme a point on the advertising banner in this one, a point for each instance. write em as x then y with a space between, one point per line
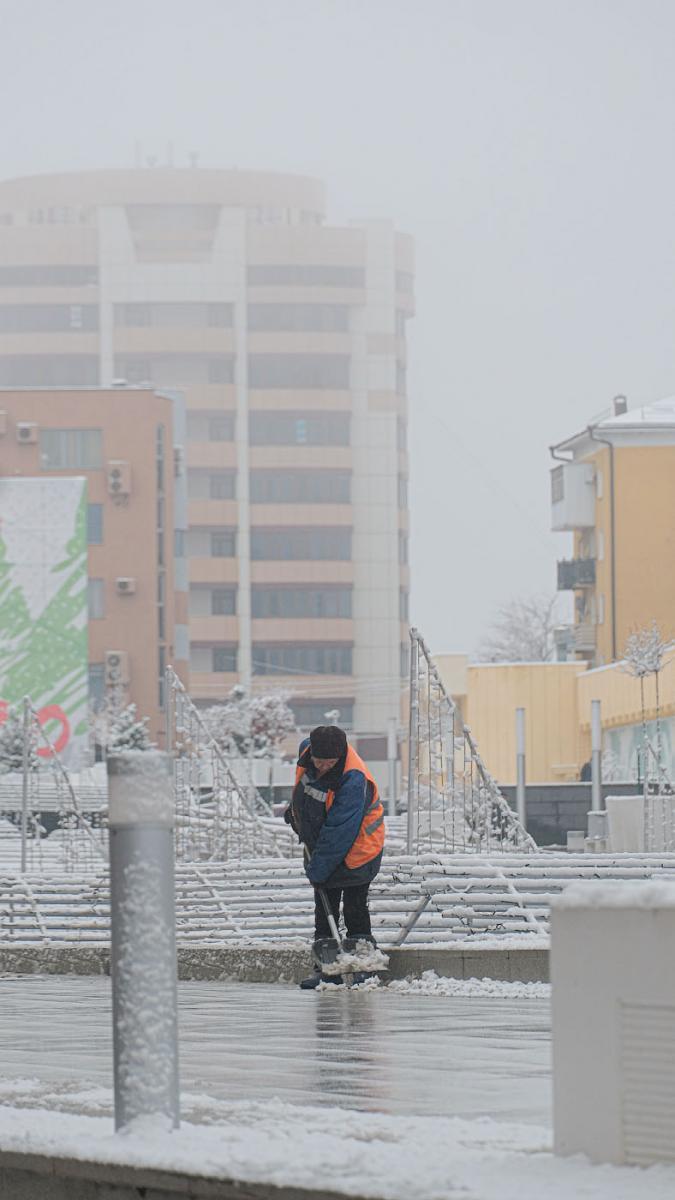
43 607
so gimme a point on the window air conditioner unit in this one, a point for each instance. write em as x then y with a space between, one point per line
116 668
119 478
26 432
125 585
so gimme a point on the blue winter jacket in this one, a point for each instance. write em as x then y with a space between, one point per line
330 835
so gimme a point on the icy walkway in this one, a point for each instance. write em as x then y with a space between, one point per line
379 1051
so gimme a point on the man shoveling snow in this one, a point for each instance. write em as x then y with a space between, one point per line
338 816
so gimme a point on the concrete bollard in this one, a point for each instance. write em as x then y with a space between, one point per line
143 936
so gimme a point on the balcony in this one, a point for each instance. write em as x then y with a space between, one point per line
584 638
576 573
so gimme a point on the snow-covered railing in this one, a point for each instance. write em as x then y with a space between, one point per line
454 804
269 900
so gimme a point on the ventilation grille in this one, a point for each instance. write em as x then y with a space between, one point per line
647 1033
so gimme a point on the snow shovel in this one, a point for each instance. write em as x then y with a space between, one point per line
332 924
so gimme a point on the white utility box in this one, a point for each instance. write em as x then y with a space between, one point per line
613 1002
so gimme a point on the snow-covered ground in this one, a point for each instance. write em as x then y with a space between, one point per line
430 1090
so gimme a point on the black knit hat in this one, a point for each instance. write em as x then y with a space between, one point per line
328 741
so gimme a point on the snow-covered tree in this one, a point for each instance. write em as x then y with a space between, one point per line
522 631
250 724
644 655
116 730
645 652
11 744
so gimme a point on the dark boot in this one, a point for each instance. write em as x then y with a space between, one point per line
324 951
313 981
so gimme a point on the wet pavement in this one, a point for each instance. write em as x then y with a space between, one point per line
376 1051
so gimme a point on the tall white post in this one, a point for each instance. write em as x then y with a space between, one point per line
392 760
521 799
25 768
143 936
596 756
413 747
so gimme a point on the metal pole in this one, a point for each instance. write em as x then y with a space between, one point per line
596 756
413 748
521 797
143 936
392 758
25 767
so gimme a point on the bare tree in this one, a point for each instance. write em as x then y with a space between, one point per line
521 632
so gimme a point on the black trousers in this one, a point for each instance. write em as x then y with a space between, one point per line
355 908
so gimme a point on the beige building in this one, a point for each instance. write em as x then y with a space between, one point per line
613 487
122 443
287 336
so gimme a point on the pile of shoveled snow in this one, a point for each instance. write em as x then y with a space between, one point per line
390 1157
431 984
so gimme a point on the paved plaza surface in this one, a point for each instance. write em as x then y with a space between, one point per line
373 1050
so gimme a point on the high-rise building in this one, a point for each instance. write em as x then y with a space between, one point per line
287 336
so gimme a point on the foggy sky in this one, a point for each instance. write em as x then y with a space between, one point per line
527 145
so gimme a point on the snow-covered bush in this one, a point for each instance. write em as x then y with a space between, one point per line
11 744
250 724
116 730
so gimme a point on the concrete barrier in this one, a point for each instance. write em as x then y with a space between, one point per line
41 1177
283 964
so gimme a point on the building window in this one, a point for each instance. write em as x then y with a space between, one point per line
48 276
310 713
45 318
221 370
71 449
402 547
405 660
94 524
316 544
221 429
402 491
302 660
601 609
49 370
298 428
222 485
298 371
300 487
96 598
301 602
301 318
96 684
211 485
601 545
223 543
305 275
174 370
169 315
403 605
557 485
224 658
404 281
223 602
401 379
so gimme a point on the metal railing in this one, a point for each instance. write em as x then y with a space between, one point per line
454 803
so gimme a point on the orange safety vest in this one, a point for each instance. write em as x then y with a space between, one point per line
369 840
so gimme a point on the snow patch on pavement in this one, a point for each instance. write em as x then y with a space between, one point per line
431 984
396 1158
